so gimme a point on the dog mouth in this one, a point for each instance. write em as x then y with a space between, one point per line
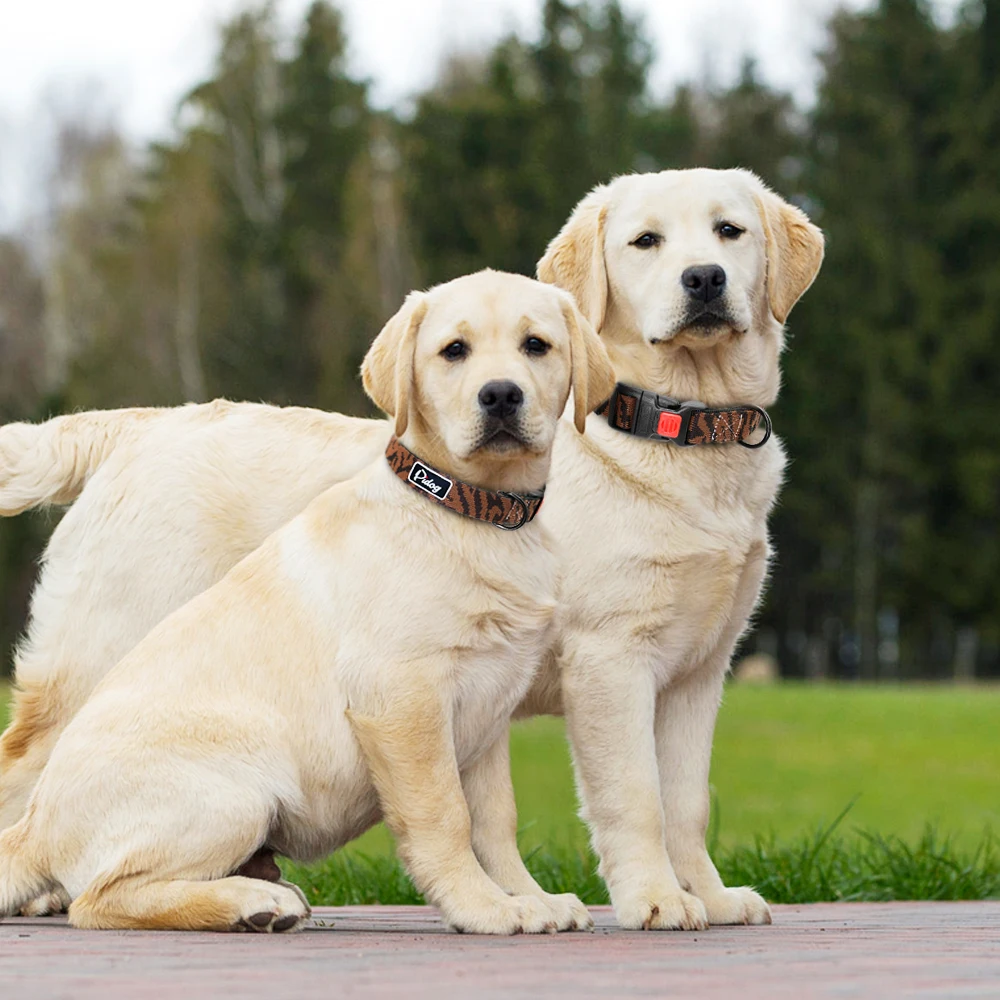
500 437
708 320
700 323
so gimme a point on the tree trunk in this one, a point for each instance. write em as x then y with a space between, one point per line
189 365
866 577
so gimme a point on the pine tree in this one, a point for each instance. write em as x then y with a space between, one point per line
500 150
857 372
326 127
253 353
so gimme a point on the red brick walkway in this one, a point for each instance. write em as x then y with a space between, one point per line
844 950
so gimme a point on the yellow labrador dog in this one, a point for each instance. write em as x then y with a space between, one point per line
364 660
689 277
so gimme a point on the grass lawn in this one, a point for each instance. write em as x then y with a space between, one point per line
788 760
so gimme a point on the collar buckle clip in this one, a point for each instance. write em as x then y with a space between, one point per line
647 414
673 418
658 417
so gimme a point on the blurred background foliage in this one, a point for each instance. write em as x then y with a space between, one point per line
256 253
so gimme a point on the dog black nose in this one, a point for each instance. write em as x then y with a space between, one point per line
501 399
704 282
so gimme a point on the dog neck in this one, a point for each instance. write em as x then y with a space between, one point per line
725 368
518 472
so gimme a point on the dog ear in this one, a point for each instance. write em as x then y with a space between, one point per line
794 252
593 377
387 371
574 260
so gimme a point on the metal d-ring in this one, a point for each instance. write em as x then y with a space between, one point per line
767 428
524 513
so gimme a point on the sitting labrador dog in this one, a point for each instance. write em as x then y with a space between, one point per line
689 277
364 661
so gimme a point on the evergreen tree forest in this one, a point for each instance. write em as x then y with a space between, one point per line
256 252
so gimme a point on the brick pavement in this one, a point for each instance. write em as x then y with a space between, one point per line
842 950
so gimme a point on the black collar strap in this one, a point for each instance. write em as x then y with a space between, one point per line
509 511
648 415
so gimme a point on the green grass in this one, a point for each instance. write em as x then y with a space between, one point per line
788 760
822 867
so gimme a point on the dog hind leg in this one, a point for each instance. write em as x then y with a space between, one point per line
234 903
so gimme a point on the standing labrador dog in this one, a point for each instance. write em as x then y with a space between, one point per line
365 660
689 277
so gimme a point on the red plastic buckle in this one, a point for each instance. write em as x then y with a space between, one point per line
669 424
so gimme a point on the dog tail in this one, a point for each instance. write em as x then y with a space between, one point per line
52 461
20 880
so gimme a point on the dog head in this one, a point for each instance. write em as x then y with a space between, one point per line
480 368
688 256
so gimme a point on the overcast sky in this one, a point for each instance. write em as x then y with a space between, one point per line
134 58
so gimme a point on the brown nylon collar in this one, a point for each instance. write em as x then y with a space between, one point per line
506 510
649 415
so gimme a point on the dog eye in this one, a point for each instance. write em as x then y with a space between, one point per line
728 231
536 346
647 241
455 351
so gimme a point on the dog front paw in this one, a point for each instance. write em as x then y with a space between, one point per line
739 905
666 910
568 913
509 915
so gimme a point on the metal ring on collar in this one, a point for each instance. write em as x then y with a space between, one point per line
767 428
524 513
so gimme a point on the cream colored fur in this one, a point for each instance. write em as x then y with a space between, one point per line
363 661
664 549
